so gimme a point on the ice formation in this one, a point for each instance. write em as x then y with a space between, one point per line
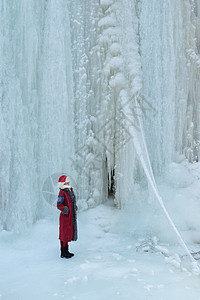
71 72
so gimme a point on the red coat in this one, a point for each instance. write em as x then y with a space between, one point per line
66 221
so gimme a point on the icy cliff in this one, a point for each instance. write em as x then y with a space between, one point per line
74 76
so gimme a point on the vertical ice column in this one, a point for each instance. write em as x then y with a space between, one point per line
121 79
158 66
17 165
36 105
191 132
88 90
55 93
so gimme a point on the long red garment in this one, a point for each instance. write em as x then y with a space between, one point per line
65 221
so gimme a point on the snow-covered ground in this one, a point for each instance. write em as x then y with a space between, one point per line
120 254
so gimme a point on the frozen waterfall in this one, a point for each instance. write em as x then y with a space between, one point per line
70 73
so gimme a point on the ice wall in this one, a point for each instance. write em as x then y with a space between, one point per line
36 109
147 50
143 49
71 72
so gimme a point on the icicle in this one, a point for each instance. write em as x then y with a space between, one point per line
149 173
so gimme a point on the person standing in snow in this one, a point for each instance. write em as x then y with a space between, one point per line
67 221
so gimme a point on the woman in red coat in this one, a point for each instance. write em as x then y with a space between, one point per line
68 222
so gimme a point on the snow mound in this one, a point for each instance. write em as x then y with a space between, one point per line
178 176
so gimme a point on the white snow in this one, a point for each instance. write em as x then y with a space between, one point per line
105 2
111 260
107 21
